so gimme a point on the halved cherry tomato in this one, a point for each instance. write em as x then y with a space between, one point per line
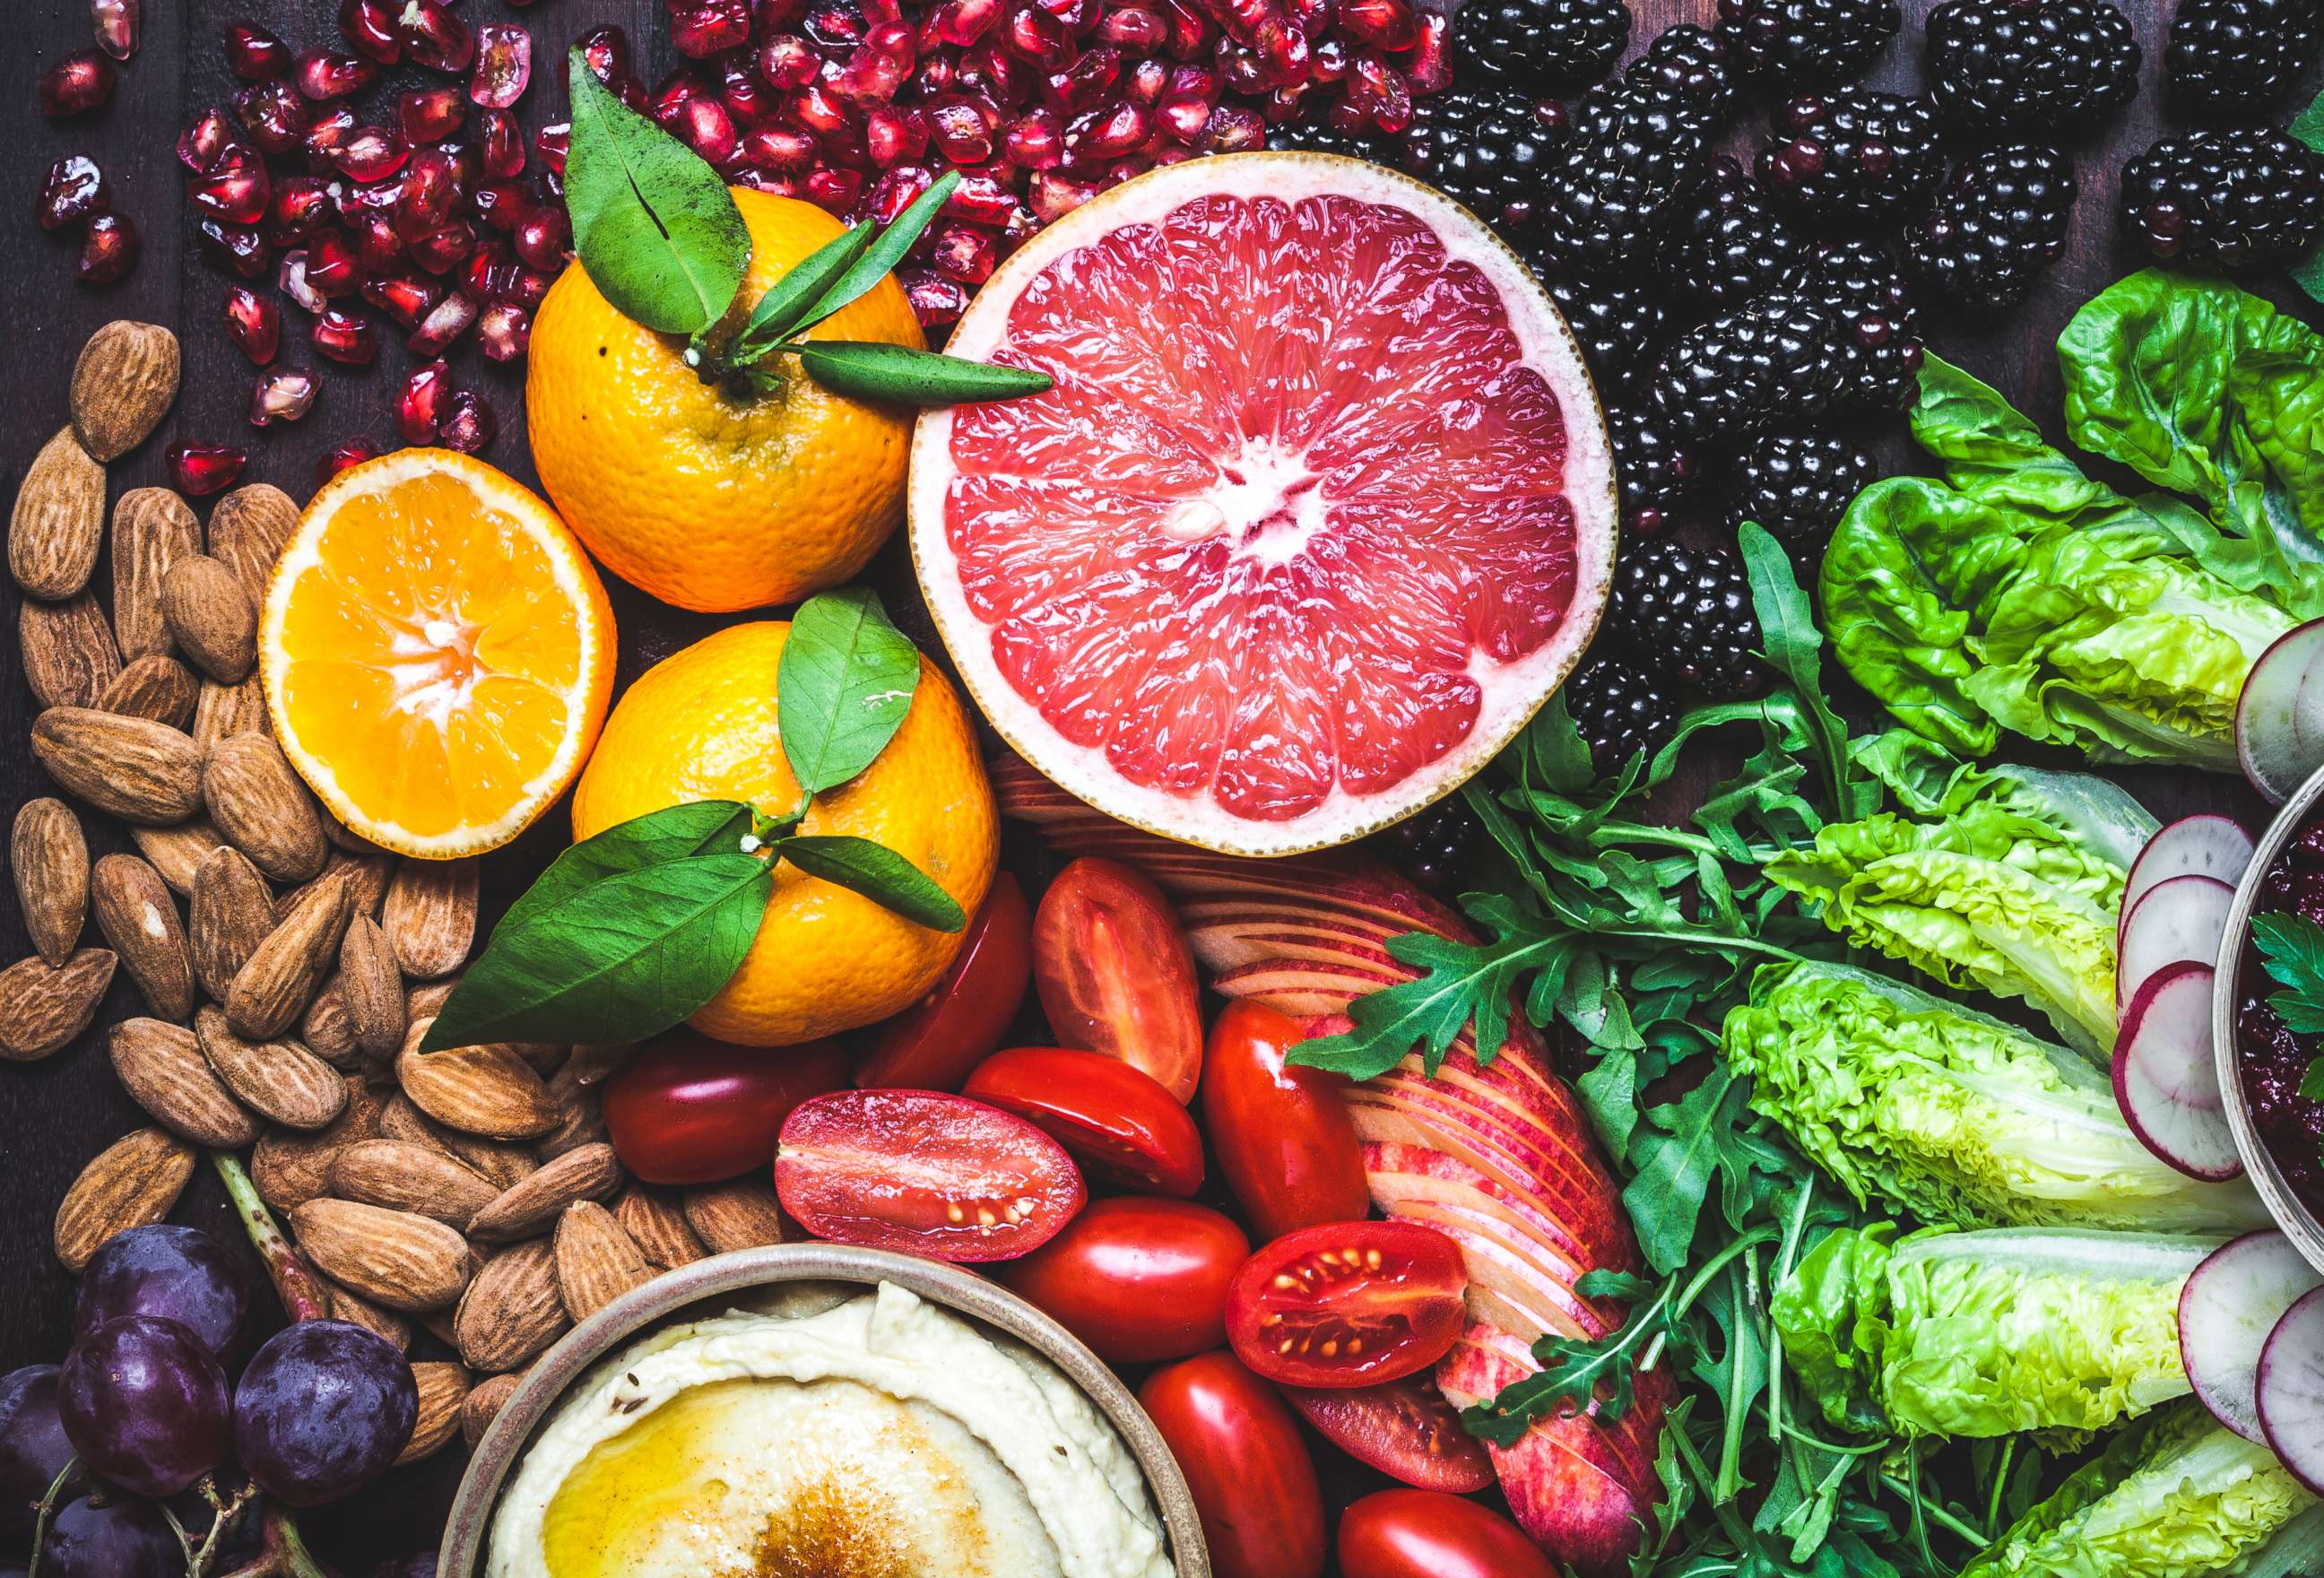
1139 1280
1118 1123
1426 1534
1115 975
689 1110
1349 1304
1283 1141
1245 1464
1403 1428
925 1173
934 1043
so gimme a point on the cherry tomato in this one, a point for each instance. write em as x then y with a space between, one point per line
1115 975
1403 1428
1139 1280
689 1110
924 1173
1349 1304
1118 1123
1245 1464
932 1043
1426 1534
1285 1143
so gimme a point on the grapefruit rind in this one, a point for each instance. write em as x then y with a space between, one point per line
1513 692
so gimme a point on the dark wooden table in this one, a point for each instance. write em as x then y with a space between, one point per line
54 1115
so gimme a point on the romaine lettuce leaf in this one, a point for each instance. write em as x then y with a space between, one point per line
1831 1311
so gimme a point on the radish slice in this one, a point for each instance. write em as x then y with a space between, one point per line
2291 1389
2193 846
2230 1304
2166 1079
2279 715
2179 918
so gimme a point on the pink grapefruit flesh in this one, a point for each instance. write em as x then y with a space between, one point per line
1319 512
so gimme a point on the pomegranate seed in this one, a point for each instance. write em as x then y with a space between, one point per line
324 75
1233 129
345 337
326 136
108 250
960 131
372 154
378 248
894 137
1428 64
426 195
199 144
709 130
981 198
788 61
528 289
1039 39
420 406
1086 84
1148 80
964 252
550 144
346 457
442 251
503 66
332 270
370 27
540 239
880 65
453 317
78 81
1139 29
115 22
783 149
434 38
710 27
405 298
429 115
833 189
273 114
745 94
469 424
896 191
237 248
73 190
963 22
1034 140
605 50
284 395
253 323
935 299
504 331
254 55
203 469
1383 23
500 145
490 272
836 27
292 280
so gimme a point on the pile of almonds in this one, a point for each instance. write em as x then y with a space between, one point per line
288 969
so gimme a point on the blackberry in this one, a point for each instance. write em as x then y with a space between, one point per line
1620 327
1657 475
1995 227
1439 846
1799 484
2230 200
1486 148
1610 193
1687 68
1620 711
1320 137
1546 46
1856 158
2235 58
1794 44
1727 243
2041 66
1686 612
1857 283
1780 358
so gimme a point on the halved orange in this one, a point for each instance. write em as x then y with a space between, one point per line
437 652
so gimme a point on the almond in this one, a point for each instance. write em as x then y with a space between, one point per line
152 528
580 1122
264 811
325 1030
407 1177
43 1006
431 915
590 1173
274 987
426 999
366 877
58 523
483 1405
371 989
595 1062
398 1259
123 385
161 1068
655 1224
231 912
486 1090
596 1262
513 1310
347 1305
248 531
502 1165
223 711
291 1169
69 658
132 1183
134 768
137 915
443 1393
177 851
211 618
157 687
51 858
741 1214
278 1079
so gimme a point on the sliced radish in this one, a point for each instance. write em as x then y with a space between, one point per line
2279 715
2179 918
2291 1391
2193 846
2230 1304
2166 1079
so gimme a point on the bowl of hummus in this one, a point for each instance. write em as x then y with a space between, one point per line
820 1411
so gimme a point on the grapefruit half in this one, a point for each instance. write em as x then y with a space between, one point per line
1318 513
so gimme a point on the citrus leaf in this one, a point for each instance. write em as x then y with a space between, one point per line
672 833
885 253
843 688
788 301
654 225
868 370
879 874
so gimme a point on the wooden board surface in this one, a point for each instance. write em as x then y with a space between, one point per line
55 1115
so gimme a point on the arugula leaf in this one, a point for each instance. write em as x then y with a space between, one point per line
843 688
879 874
1464 981
2292 949
900 376
1794 645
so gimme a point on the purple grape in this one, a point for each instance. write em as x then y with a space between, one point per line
177 1273
32 1449
125 1538
145 1405
321 1410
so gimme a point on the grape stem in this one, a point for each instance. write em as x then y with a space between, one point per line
284 1554
303 1296
224 1516
48 1511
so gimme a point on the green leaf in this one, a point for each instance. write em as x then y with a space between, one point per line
867 370
672 833
1787 628
2291 947
1464 982
654 225
789 300
885 254
619 959
879 874
843 687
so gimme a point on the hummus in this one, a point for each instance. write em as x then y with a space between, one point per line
830 1434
